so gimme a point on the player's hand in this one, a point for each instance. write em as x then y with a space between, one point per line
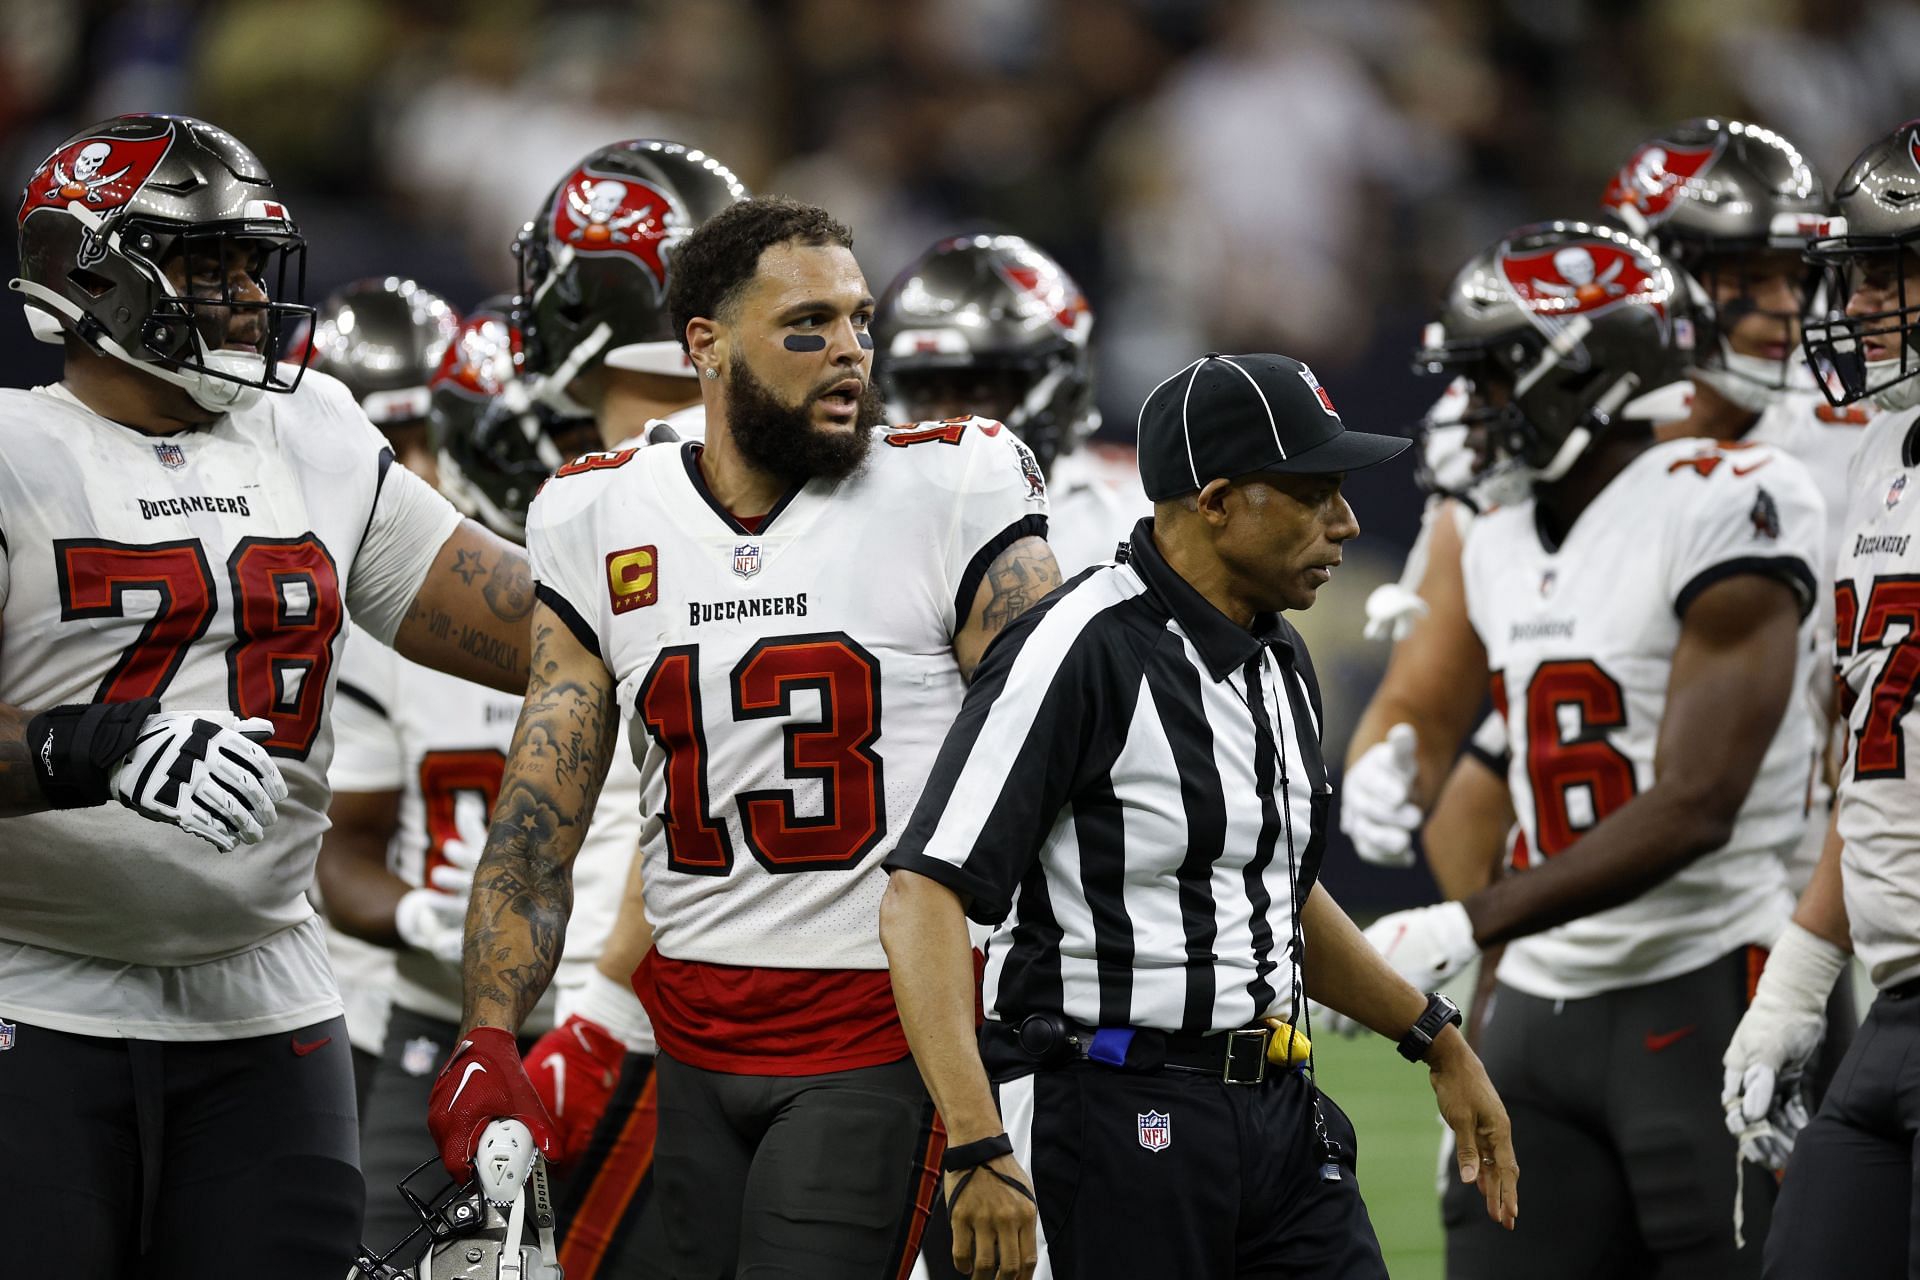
1376 800
433 918
574 1069
1772 1044
1331 1022
481 1083
1426 945
1482 1135
206 773
995 1227
1391 612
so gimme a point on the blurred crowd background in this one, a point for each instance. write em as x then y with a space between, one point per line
1291 175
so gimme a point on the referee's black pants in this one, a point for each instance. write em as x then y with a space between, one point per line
1174 1173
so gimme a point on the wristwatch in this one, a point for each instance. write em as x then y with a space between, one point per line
1440 1011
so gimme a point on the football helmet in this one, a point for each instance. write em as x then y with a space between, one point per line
499 1226
594 263
384 338
1869 251
1710 195
115 205
496 444
989 325
1562 328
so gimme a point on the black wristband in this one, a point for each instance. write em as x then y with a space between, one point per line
971 1154
74 748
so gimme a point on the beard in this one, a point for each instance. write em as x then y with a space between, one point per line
781 440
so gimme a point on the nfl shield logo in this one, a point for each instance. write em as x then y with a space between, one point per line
6 1035
1156 1131
746 559
171 456
418 1057
1893 494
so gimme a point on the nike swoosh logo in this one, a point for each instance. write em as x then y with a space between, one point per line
1747 471
1656 1041
302 1050
465 1076
558 1065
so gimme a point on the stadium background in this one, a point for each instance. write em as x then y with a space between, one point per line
1218 174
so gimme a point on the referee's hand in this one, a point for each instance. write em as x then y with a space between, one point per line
995 1231
1483 1137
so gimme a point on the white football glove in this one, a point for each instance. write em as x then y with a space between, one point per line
1426 945
1376 800
1771 1046
206 773
433 918
1391 612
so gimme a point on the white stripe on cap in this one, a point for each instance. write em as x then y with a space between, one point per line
1271 425
1141 416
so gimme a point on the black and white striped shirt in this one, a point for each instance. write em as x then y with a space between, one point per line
1111 799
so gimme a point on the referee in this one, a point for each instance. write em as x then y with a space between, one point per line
1133 796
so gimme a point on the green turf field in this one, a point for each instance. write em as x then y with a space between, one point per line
1391 1106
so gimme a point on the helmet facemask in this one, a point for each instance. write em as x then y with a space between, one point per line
1838 340
193 323
1741 280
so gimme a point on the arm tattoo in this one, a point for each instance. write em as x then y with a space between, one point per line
1017 579
509 588
523 888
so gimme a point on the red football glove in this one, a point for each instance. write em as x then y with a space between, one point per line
574 1069
481 1083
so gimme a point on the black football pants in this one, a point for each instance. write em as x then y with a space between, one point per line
1171 1173
1848 1205
1628 1166
179 1160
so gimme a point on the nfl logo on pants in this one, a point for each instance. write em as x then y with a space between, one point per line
1156 1131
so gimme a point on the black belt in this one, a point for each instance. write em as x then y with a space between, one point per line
1911 987
1048 1040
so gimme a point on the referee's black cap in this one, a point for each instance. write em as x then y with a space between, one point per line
1228 416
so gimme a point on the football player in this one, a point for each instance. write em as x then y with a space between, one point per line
416 768
598 331
1734 203
991 325
382 337
1848 1195
1645 613
788 615
595 265
185 522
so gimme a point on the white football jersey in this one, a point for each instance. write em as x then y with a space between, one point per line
364 974
1093 503
787 689
1877 598
213 569
1802 423
442 743
1580 639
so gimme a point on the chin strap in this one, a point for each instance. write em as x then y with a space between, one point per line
216 395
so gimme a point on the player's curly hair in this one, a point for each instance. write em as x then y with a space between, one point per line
714 264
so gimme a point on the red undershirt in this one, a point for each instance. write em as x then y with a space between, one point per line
770 1022
748 1020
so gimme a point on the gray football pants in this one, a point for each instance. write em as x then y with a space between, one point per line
821 1177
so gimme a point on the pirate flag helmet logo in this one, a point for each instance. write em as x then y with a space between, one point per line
605 213
1656 175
